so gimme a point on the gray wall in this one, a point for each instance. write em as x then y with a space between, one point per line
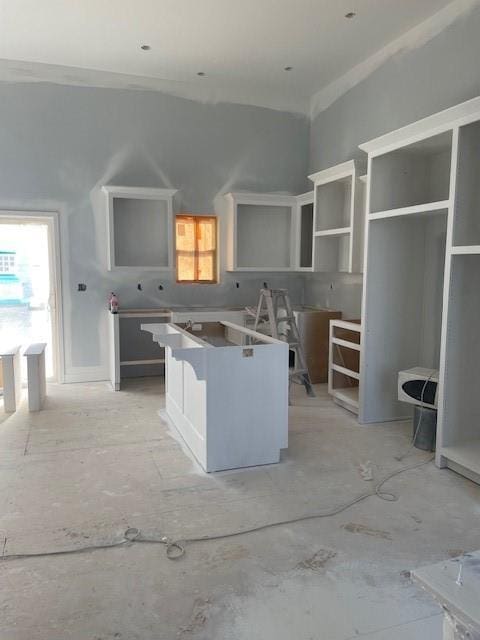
59 144
411 85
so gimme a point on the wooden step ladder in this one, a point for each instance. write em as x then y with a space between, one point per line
274 308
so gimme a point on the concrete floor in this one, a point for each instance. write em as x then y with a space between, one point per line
94 463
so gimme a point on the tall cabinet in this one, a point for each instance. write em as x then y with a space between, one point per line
421 298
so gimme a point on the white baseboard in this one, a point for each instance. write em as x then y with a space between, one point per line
87 374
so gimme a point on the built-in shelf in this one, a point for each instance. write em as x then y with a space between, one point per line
261 232
417 209
411 174
132 351
466 223
343 379
421 299
338 219
140 228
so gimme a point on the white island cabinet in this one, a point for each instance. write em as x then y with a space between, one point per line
226 392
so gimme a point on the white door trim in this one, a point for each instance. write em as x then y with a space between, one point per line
52 219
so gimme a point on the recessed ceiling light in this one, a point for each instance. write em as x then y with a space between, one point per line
145 47
287 68
350 14
201 73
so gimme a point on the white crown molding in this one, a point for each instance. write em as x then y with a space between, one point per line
410 40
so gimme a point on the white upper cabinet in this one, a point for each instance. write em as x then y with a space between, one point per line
338 219
140 227
261 232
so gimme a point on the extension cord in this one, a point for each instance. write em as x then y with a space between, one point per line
177 548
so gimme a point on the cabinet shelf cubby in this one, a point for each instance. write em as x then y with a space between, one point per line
338 219
140 227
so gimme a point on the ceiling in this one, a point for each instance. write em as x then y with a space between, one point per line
242 46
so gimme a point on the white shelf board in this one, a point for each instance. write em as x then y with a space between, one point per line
428 207
342 231
346 372
466 455
346 343
466 250
130 363
347 395
347 324
263 269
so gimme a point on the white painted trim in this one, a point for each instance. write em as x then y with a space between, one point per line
273 199
428 127
139 193
337 172
408 41
346 372
146 193
87 374
305 198
429 207
301 200
265 199
465 250
52 219
342 231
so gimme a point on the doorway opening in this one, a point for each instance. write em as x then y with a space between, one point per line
29 286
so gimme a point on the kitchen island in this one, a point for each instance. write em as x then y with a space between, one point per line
226 392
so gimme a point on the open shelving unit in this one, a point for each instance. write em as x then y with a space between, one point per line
344 363
421 298
140 227
261 234
132 352
337 219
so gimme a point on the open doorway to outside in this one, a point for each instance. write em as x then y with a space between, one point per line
29 286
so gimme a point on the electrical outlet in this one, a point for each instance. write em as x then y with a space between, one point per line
139 286
81 286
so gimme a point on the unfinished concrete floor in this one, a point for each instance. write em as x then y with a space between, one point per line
94 463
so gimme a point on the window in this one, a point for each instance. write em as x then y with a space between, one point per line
196 248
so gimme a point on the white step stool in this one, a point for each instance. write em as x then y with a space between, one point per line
36 379
12 379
